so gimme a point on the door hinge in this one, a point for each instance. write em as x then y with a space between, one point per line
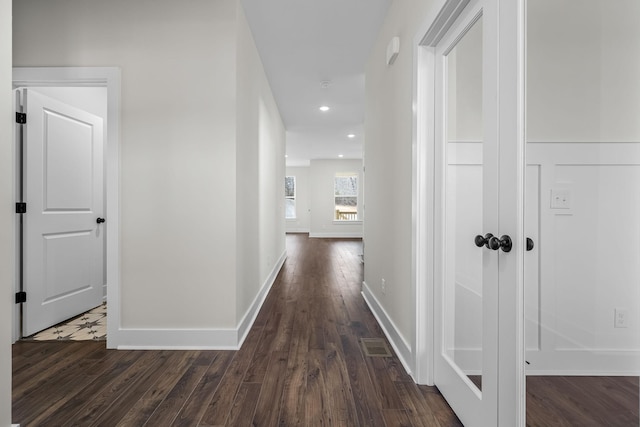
21 207
21 118
21 297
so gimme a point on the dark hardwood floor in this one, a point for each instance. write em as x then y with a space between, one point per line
582 401
301 365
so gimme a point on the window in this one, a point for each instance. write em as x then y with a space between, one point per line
346 196
290 197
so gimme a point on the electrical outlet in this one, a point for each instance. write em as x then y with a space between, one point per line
621 318
383 284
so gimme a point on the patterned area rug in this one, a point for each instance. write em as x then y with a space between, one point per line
90 326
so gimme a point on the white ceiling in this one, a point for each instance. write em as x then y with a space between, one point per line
303 43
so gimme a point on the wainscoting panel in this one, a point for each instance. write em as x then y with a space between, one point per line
586 263
582 211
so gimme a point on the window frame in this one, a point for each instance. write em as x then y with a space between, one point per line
294 198
336 218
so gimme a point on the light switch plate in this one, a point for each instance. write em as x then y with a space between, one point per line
560 198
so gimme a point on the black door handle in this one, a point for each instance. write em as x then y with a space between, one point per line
504 243
100 220
529 244
483 241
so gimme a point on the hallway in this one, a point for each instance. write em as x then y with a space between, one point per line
301 364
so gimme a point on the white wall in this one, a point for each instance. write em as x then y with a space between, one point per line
247 173
584 63
175 142
322 201
6 213
260 174
388 159
181 108
302 222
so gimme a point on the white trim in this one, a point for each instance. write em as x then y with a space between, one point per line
17 172
347 222
441 23
576 141
512 165
423 209
294 198
302 230
110 78
399 344
251 314
177 339
337 235
580 373
423 191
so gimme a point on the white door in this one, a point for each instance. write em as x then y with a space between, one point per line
470 246
63 244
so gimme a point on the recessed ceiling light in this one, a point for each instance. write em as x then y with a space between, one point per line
340 155
286 155
324 108
351 135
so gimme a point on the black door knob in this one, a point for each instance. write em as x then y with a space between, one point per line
504 243
483 241
529 244
100 220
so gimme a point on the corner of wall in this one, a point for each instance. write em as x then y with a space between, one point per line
260 169
252 313
6 216
402 348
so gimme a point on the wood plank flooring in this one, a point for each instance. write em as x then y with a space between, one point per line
301 365
583 401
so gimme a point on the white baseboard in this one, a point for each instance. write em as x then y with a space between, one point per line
251 314
295 230
401 347
337 235
199 339
177 339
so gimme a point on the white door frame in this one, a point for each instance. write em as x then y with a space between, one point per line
512 110
423 188
108 77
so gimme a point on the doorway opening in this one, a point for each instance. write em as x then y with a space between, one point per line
98 91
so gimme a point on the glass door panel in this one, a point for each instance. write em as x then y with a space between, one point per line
463 204
582 212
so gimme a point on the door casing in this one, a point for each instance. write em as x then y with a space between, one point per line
108 77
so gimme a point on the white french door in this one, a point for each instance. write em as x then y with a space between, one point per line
478 215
